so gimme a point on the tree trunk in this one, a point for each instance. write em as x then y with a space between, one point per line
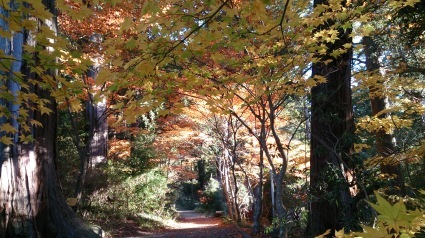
331 127
98 125
258 194
32 204
280 209
81 179
272 194
236 190
226 187
384 145
94 152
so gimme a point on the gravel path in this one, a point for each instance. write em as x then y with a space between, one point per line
193 225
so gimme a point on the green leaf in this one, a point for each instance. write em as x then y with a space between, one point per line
384 206
394 216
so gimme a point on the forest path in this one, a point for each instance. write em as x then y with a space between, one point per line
192 224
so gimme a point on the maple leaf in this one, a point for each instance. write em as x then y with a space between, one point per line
8 128
394 216
6 140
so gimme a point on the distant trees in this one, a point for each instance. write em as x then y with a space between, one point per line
392 58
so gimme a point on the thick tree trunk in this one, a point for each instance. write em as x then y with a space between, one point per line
384 145
331 126
32 204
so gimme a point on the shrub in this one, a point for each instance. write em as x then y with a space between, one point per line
211 199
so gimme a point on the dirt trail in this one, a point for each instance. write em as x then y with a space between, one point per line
193 225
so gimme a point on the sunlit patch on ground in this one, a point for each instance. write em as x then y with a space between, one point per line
199 220
186 225
193 225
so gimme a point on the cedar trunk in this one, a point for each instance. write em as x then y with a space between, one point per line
331 127
383 144
32 204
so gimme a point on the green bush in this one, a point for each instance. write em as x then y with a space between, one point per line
211 199
145 193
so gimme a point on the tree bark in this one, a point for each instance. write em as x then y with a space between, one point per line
98 125
94 152
280 209
225 181
258 195
32 204
331 127
272 194
383 144
235 193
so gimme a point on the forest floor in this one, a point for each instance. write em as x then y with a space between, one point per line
190 224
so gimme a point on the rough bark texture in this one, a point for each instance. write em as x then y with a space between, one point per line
32 204
331 126
383 144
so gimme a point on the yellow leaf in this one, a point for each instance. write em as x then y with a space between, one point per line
359 147
347 45
340 233
35 123
6 140
43 109
411 2
366 30
26 139
327 232
320 78
311 82
8 128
